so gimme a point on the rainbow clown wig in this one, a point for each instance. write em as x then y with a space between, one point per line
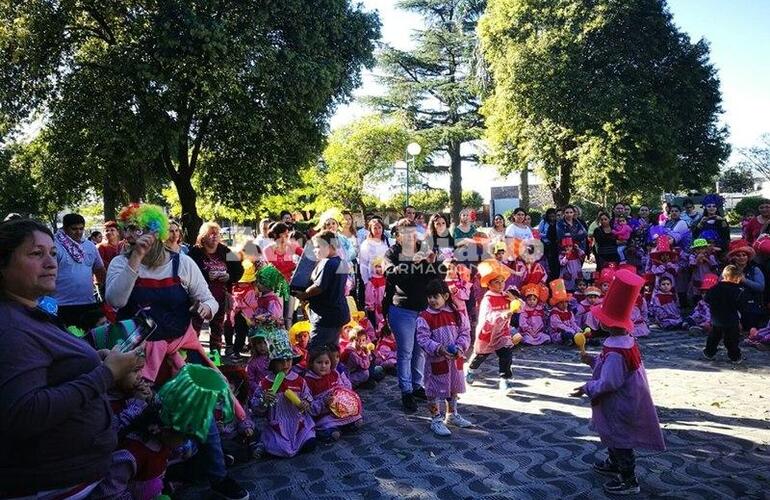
147 217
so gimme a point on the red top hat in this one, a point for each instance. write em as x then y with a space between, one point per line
567 241
616 309
628 267
662 247
741 245
709 282
606 275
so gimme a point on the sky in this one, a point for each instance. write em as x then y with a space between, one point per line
739 37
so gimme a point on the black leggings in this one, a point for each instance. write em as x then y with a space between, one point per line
731 338
624 459
504 360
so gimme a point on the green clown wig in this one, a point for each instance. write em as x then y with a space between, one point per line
272 278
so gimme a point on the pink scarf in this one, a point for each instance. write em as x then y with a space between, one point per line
72 247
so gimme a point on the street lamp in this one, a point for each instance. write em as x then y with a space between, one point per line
412 150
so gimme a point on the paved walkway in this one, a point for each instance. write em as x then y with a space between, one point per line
535 442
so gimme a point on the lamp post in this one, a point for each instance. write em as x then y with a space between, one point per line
412 150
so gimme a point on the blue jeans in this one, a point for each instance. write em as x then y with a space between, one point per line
410 358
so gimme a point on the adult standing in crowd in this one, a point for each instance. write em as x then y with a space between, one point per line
570 226
549 237
754 314
171 288
220 268
690 215
605 243
677 228
519 229
283 254
465 229
78 262
263 239
497 233
439 238
175 243
758 224
55 419
372 248
287 219
712 225
409 266
109 248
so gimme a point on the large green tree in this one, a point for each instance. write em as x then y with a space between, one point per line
237 92
602 96
435 86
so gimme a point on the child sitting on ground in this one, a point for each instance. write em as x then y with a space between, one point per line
623 412
562 321
358 359
664 307
702 263
333 409
385 352
725 303
585 318
444 334
699 320
289 428
639 316
257 369
532 317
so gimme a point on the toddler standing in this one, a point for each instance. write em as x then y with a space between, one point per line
725 302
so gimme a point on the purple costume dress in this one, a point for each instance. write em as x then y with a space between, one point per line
444 377
665 310
585 318
622 410
683 272
668 269
563 326
760 338
571 268
357 363
532 325
321 388
698 271
286 430
701 315
639 315
256 370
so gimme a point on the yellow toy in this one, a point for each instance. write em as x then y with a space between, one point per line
292 397
580 340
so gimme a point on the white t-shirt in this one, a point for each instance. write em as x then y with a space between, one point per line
75 280
518 233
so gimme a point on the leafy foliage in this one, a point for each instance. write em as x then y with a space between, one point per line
757 158
434 87
602 97
237 92
736 180
750 203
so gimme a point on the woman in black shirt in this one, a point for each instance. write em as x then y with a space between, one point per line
605 242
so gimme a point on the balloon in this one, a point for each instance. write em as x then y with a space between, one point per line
370 347
580 341
515 306
277 382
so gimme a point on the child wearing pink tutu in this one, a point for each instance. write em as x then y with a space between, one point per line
571 261
444 334
562 321
288 429
699 320
324 382
664 308
532 317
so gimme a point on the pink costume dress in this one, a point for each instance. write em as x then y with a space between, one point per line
385 352
585 318
493 329
683 272
460 294
698 269
639 316
571 267
532 325
622 410
664 310
357 362
701 315
270 303
535 274
321 388
373 296
668 269
436 328
256 370
286 430
245 301
563 326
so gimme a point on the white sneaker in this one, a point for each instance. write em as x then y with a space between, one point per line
503 385
457 420
439 428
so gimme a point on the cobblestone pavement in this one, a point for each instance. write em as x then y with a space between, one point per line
535 442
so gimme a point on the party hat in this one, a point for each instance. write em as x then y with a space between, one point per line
559 292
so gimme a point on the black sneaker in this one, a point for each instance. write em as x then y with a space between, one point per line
419 393
410 405
711 357
622 487
606 467
738 361
228 488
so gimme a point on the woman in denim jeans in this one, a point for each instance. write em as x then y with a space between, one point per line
408 268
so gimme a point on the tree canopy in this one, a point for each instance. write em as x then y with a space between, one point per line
602 96
434 87
238 92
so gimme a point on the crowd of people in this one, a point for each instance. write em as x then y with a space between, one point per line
108 389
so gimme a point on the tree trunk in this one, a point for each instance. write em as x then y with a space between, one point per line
455 181
136 188
524 188
561 189
110 199
191 221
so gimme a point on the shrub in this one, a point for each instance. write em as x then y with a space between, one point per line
748 203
